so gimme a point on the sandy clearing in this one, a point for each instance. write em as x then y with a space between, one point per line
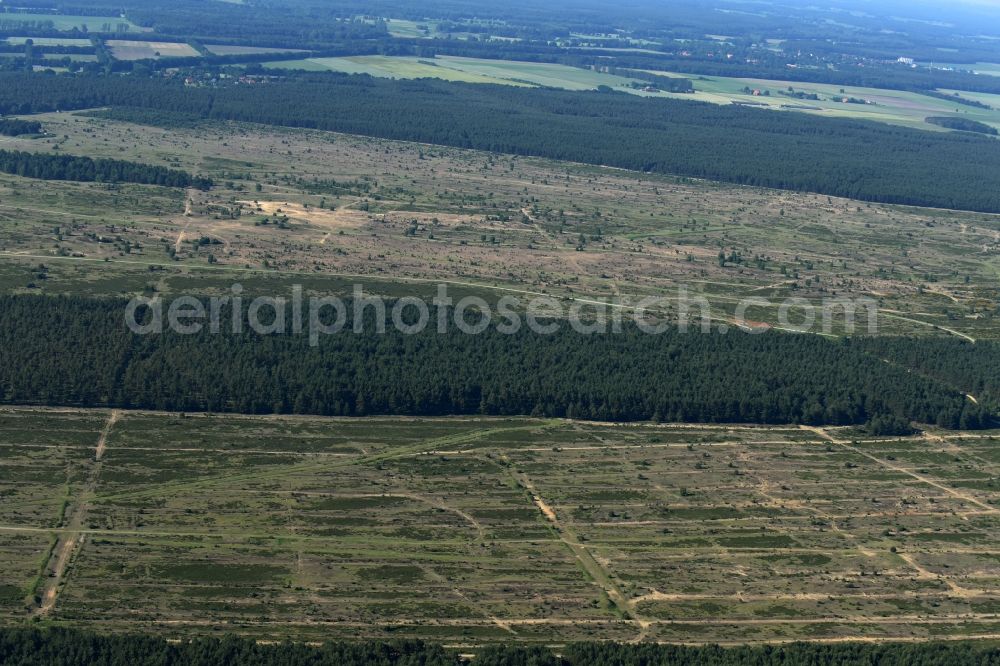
341 218
180 238
188 211
102 441
65 548
545 509
446 622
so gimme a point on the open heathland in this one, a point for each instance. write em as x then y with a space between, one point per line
485 530
326 210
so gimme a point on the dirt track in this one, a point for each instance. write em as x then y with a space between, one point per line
73 537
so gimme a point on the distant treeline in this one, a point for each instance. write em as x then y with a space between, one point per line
672 84
75 351
856 159
15 127
84 169
893 77
772 66
71 647
956 99
962 124
823 51
284 24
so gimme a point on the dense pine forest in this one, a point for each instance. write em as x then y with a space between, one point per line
68 647
73 351
856 159
84 169
971 368
15 127
962 125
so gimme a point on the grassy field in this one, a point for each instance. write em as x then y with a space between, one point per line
471 531
891 106
471 70
985 98
124 49
542 74
69 22
386 67
76 57
406 29
412 29
334 209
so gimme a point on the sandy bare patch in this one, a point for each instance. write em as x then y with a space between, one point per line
342 218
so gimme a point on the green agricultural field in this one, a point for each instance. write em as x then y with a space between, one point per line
477 530
75 57
470 70
124 49
70 22
428 29
412 29
891 106
387 67
542 74
985 98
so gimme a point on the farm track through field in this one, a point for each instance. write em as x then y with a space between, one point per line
854 638
949 446
593 568
188 211
965 619
811 596
437 577
72 538
423 499
922 572
261 539
312 467
893 314
902 470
